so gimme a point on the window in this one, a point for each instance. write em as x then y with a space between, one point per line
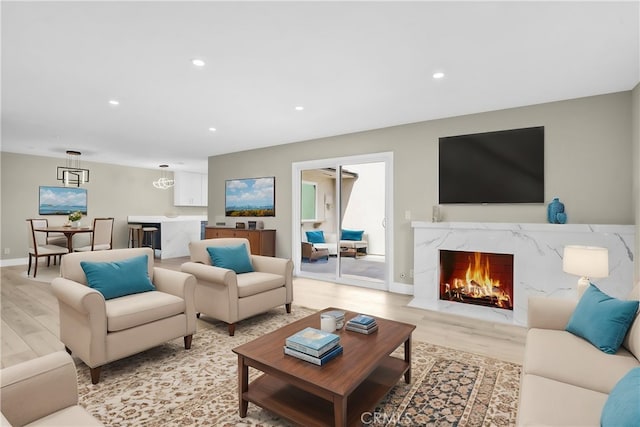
309 201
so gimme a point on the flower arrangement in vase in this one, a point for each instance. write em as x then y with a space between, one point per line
74 218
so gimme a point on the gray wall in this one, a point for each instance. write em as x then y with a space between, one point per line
112 191
635 114
588 150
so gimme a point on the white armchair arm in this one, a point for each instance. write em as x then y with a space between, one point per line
34 389
181 285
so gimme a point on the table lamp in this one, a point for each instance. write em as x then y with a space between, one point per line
587 262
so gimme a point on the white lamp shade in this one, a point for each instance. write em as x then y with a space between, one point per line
586 261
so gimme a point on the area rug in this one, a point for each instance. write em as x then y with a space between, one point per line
171 386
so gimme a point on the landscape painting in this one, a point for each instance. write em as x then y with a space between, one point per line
250 197
62 200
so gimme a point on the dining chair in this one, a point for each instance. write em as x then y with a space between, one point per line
102 236
39 248
57 239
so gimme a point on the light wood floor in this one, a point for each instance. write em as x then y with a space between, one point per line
30 316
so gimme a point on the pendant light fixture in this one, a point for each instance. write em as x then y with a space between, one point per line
164 181
72 173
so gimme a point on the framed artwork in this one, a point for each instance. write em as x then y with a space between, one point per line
62 200
250 197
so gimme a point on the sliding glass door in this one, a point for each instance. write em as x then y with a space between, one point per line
340 216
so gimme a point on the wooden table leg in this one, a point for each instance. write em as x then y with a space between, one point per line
243 386
340 411
407 358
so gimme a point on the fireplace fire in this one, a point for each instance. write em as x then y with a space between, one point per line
478 278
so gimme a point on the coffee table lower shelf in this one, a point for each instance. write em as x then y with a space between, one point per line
304 408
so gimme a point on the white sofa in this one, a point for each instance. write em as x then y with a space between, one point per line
565 379
333 246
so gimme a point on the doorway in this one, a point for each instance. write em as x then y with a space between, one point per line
341 219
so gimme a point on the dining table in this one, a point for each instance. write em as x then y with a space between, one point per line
68 231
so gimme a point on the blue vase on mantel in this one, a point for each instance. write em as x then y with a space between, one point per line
555 212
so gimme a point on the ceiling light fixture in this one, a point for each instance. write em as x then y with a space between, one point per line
212 129
197 62
299 108
114 102
164 181
72 173
438 75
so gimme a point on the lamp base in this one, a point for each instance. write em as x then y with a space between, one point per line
583 284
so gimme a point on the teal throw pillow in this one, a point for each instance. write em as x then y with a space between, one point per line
352 235
315 236
602 320
622 408
234 258
119 278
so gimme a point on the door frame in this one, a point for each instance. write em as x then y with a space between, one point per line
296 179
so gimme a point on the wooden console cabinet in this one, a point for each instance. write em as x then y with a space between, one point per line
263 242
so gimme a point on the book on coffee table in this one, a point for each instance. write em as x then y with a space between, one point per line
312 341
336 351
362 330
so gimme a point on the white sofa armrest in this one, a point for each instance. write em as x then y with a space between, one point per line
34 389
182 285
549 313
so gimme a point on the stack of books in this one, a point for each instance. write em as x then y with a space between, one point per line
362 324
313 345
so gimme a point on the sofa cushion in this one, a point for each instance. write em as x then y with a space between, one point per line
632 341
602 320
258 282
118 278
315 236
234 258
545 402
622 408
351 234
562 356
135 310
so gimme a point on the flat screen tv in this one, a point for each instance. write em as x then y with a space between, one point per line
493 167
62 200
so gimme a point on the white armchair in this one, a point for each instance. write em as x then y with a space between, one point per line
223 294
43 392
100 330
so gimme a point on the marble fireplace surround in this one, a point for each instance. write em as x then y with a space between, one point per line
537 269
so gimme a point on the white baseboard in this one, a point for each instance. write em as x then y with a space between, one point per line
13 261
401 288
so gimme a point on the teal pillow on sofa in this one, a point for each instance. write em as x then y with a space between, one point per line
315 236
119 278
602 320
622 408
234 258
352 235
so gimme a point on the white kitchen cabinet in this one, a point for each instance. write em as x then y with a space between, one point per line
190 189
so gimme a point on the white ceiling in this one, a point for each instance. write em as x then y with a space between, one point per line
353 66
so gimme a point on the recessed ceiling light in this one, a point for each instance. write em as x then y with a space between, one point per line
212 129
197 62
438 75
114 102
299 108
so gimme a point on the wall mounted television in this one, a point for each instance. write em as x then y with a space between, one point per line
493 167
62 200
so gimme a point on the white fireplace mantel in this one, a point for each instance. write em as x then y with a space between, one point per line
537 269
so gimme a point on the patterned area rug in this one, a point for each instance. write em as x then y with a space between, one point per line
171 386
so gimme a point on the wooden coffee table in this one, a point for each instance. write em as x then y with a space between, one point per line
337 393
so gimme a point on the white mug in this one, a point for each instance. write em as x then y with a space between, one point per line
327 323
